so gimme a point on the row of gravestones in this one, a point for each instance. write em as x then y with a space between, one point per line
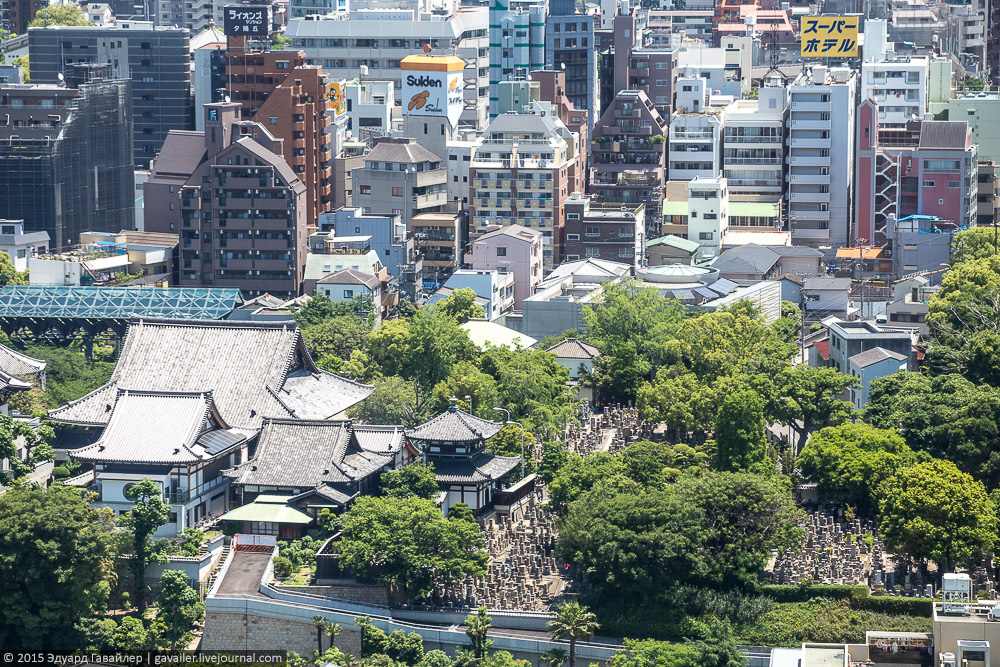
589 436
522 573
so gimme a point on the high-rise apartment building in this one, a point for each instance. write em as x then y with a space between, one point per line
195 15
820 142
238 206
639 65
373 41
299 8
628 153
157 60
290 98
517 42
15 15
753 144
570 48
65 157
526 167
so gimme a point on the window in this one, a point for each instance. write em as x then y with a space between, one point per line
954 184
273 120
572 216
572 237
942 165
281 64
501 251
705 236
365 189
21 253
928 184
593 231
397 192
348 294
593 252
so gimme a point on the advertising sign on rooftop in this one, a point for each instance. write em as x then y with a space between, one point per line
432 86
247 21
829 36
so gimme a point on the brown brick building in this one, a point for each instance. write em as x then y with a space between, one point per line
239 208
289 98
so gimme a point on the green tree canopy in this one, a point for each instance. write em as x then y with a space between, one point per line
9 275
394 401
578 476
415 479
849 462
532 385
946 416
461 306
55 560
573 622
34 441
148 513
739 435
59 15
413 544
177 608
933 510
808 398
338 336
464 380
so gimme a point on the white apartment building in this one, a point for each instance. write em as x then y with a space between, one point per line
298 8
821 155
753 144
369 108
695 136
378 39
899 85
708 214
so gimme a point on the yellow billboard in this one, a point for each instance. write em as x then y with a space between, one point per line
829 36
337 95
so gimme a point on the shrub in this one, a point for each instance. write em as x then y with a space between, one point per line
282 567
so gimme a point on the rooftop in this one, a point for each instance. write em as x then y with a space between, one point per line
482 332
873 356
675 242
455 425
574 348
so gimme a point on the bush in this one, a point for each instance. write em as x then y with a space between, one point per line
806 592
282 567
885 604
374 640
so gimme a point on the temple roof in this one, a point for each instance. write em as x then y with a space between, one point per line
162 427
483 467
293 453
253 369
455 425
15 366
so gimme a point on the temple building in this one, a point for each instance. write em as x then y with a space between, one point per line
302 467
187 400
454 442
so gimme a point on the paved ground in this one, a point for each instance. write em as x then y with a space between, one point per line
244 574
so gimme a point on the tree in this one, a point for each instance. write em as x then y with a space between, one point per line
963 314
394 401
849 462
333 631
177 607
461 512
573 622
578 476
933 510
412 480
810 398
132 635
554 657
148 513
55 560
648 463
631 325
507 442
389 347
413 544
554 457
973 243
336 337
408 649
464 380
946 416
652 653
477 626
739 435
25 65
461 306
9 275
34 441
319 622
532 385
59 15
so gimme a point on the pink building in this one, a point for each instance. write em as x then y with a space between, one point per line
512 249
924 168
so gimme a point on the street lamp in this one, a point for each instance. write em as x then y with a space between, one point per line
508 421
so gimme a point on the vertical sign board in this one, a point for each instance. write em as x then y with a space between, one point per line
829 36
433 86
247 21
337 94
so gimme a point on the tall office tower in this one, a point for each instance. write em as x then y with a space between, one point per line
517 42
569 47
157 60
65 156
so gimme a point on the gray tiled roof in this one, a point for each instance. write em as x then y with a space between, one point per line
454 425
350 277
19 365
158 427
943 134
182 152
293 453
379 439
746 259
483 467
253 369
873 356
396 151
574 348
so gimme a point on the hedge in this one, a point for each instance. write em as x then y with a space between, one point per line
857 595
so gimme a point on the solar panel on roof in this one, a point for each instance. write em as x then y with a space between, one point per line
723 286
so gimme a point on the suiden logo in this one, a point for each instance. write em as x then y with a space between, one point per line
418 101
424 81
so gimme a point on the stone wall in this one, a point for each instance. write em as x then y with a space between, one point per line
346 591
234 631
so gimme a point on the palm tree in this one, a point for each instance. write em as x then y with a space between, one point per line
555 657
477 626
573 621
319 622
332 629
362 622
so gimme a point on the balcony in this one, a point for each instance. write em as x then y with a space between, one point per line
809 161
795 142
810 125
809 106
810 197
810 179
809 216
806 233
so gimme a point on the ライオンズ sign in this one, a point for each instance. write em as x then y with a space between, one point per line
432 86
829 36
